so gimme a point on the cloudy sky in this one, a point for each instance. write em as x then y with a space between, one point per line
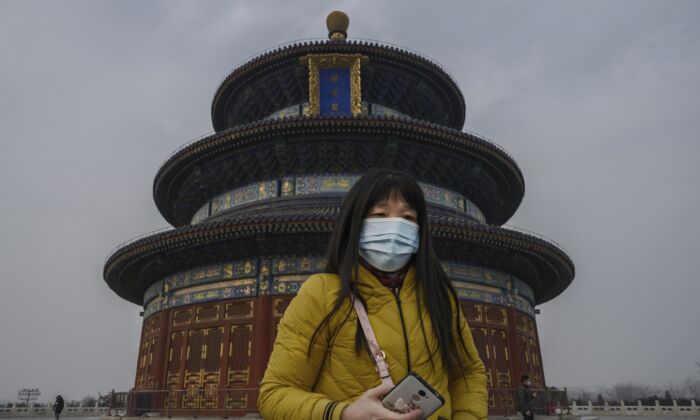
597 101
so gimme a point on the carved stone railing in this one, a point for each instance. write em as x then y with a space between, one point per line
636 410
47 411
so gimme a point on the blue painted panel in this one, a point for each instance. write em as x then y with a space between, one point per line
334 92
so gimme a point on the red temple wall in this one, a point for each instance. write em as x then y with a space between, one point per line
208 347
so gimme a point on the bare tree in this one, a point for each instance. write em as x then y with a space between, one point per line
579 394
630 392
691 387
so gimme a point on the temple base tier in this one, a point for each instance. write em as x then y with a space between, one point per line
208 333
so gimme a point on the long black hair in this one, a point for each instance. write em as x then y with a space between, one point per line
432 286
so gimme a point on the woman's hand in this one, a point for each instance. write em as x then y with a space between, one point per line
368 406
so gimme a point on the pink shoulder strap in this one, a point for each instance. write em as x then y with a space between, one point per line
377 353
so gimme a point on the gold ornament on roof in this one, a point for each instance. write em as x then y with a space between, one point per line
337 23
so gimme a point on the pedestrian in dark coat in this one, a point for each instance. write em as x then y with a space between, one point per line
58 406
525 398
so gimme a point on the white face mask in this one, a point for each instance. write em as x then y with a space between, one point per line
388 243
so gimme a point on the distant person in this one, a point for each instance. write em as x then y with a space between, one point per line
58 406
525 398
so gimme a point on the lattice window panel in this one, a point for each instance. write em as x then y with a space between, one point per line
193 369
495 315
521 323
182 317
239 310
472 311
195 350
208 313
175 355
536 371
239 354
214 349
500 362
150 365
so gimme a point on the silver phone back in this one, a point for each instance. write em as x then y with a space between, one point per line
410 392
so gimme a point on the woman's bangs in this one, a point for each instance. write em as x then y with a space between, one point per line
397 187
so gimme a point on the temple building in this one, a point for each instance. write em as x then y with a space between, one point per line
252 207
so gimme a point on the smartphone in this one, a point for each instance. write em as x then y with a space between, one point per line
413 392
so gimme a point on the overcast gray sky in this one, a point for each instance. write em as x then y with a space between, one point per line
597 101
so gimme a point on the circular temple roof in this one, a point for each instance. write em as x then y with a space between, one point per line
130 270
393 77
433 154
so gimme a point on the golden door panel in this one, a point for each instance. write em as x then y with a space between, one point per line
142 365
213 353
492 398
153 352
193 368
481 342
536 371
523 356
501 357
176 360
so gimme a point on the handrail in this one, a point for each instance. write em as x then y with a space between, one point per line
219 400
125 244
540 237
184 146
513 228
492 143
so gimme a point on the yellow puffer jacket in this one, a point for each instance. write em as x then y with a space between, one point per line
320 386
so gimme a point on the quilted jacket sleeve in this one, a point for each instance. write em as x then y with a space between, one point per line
286 388
468 391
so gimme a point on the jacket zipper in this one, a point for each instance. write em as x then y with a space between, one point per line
403 327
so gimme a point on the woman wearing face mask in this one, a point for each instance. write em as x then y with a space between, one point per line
381 254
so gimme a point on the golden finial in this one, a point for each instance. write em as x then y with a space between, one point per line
337 23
